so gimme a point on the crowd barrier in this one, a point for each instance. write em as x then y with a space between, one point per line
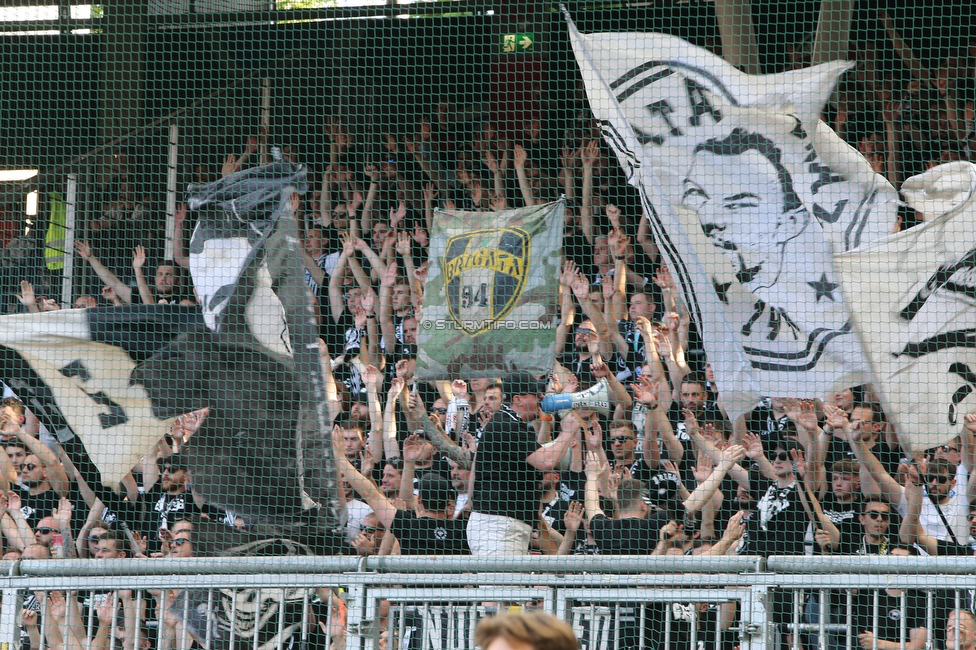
434 603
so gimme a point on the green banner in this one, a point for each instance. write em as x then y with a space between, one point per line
491 302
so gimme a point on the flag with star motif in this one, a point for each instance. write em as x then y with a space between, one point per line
913 295
748 196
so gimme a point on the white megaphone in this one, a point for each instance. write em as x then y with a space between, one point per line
594 398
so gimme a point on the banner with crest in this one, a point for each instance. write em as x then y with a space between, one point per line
491 302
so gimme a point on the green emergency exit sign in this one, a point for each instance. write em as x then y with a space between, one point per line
515 43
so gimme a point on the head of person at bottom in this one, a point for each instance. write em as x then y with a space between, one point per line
524 631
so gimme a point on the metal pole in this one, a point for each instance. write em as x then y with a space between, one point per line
833 31
171 190
739 45
67 278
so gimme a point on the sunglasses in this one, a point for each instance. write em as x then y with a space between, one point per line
95 538
781 456
368 530
620 439
941 478
178 543
876 515
584 330
440 410
44 530
30 467
947 449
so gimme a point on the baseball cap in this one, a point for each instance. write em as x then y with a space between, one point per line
522 383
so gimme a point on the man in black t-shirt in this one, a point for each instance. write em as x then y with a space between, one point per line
631 532
507 471
429 531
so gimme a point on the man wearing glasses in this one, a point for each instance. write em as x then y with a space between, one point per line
873 536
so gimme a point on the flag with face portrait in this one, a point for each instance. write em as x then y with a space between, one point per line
745 210
913 295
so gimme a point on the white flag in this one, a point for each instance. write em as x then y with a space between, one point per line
745 211
913 295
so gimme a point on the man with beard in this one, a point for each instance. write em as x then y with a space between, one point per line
170 500
44 485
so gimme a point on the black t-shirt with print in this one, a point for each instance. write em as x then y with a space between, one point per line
429 536
777 525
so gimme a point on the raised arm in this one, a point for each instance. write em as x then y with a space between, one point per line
387 327
121 289
588 155
138 262
754 451
523 180
703 444
459 454
383 508
567 308
707 489
337 301
56 475
581 289
547 457
911 531
890 490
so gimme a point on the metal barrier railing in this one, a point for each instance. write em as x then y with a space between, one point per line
660 603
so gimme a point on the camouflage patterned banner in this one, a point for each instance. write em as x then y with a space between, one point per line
491 303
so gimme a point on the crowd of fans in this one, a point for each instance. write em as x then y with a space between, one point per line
472 465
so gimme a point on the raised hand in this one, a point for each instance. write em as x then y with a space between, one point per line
460 388
83 249
414 448
836 417
63 513
613 214
396 216
598 368
429 192
663 278
691 422
735 527
420 273
573 518
646 391
373 376
403 243
389 278
594 435
608 287
369 302
372 172
359 318
568 273
733 453
138 257
521 155
13 501
970 422
590 152
27 297
396 385
491 162
753 446
580 286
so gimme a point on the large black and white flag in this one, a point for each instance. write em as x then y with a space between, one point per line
116 377
748 196
73 369
913 295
